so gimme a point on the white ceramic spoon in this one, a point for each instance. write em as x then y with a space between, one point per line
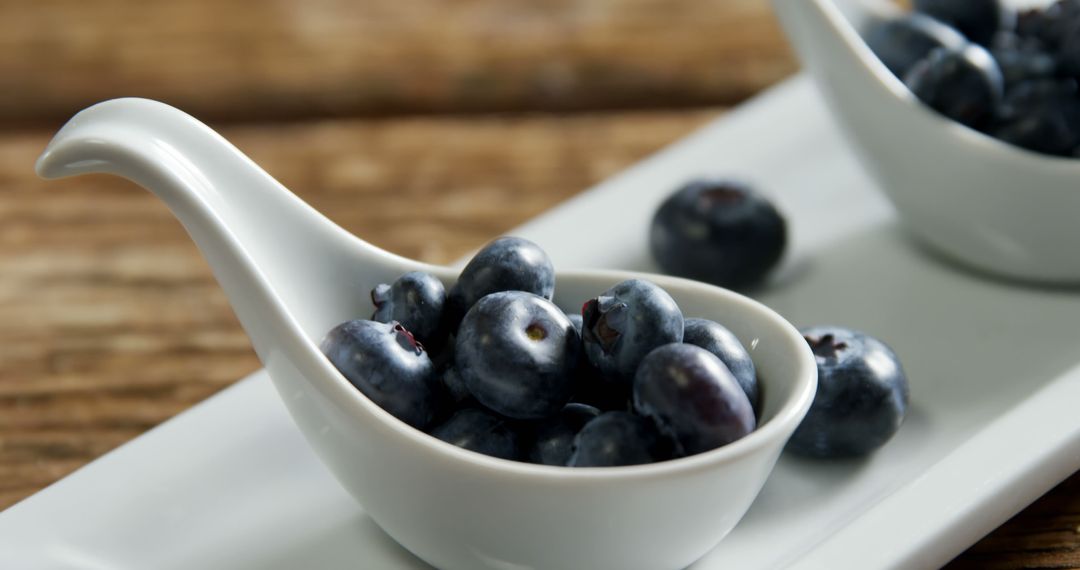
291 275
983 203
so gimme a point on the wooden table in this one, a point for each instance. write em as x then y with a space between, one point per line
427 127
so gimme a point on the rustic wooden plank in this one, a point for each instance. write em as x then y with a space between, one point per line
248 59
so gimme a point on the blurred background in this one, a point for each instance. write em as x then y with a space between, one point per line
427 127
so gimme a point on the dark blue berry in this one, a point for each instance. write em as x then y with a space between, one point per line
976 19
627 321
553 438
965 85
862 395
518 354
722 343
576 320
455 387
387 365
717 231
415 300
1043 116
618 438
1052 25
692 397
480 431
1021 58
901 42
506 264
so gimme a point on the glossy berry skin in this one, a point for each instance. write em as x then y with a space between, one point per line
718 231
388 366
480 431
965 85
624 323
692 397
862 395
506 264
976 19
517 354
415 300
553 438
901 42
619 438
723 344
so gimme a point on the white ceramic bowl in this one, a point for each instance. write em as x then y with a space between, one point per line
291 275
983 203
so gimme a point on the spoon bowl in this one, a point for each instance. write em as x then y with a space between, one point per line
291 275
983 203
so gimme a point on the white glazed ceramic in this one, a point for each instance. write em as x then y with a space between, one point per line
982 202
291 275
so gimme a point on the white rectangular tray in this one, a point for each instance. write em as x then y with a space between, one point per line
994 371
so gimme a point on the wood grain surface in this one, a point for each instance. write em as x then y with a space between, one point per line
385 114
256 59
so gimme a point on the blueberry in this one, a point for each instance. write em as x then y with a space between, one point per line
976 19
1052 25
618 438
553 437
1021 58
627 321
965 85
1043 116
454 387
388 366
862 395
722 343
576 320
480 431
901 42
415 300
692 397
1068 54
506 264
1057 27
518 353
717 231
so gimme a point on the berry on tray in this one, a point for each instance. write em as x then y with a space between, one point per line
862 395
718 231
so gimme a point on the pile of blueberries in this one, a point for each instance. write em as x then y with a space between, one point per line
493 366
1013 76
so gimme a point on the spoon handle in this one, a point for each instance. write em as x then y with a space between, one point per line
271 252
